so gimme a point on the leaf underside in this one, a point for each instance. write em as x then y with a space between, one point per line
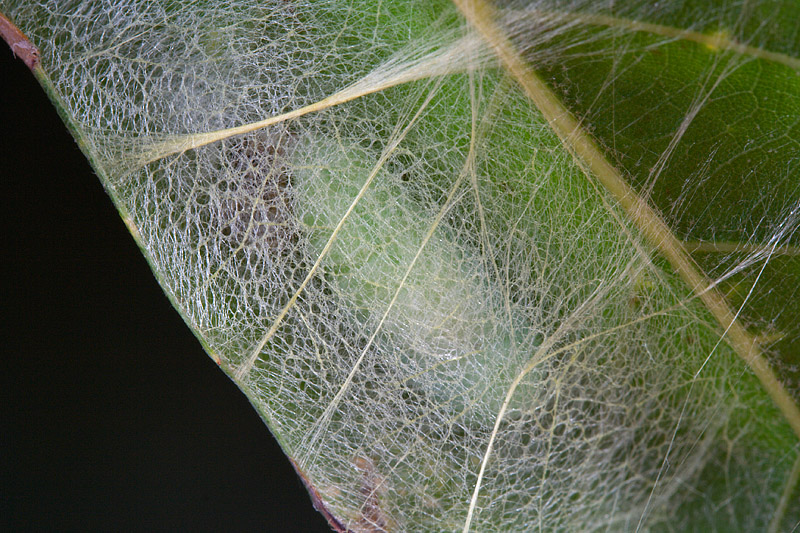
510 267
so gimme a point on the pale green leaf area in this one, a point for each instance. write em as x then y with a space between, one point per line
530 266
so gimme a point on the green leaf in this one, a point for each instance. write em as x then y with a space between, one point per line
479 268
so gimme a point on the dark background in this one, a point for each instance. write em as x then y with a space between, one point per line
113 417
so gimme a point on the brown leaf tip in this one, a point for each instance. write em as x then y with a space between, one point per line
21 47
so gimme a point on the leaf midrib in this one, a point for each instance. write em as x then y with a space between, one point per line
594 164
589 157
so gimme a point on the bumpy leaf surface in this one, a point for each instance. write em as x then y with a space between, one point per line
510 267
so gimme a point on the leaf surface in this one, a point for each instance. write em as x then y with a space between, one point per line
509 267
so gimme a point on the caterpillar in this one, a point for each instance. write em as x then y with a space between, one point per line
428 294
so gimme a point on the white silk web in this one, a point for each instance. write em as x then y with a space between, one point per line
443 317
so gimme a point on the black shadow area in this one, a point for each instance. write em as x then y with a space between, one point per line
113 417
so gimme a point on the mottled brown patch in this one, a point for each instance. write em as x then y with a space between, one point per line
21 47
373 518
255 209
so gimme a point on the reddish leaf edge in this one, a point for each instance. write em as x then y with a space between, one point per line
19 43
317 501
